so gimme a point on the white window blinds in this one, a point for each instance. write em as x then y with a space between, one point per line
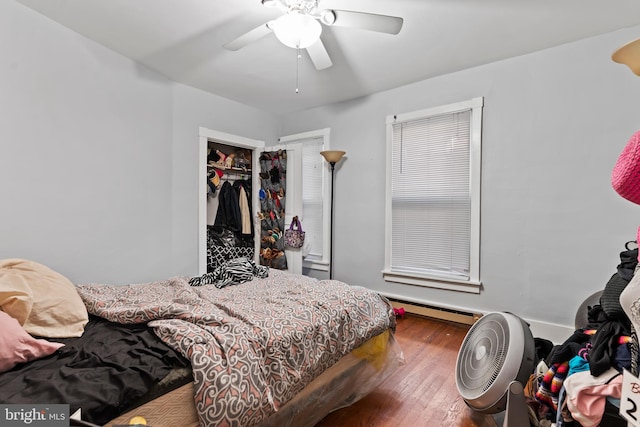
430 194
433 197
312 196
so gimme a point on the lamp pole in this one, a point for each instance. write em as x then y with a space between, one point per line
333 165
332 157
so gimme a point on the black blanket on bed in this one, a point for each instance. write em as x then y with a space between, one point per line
105 372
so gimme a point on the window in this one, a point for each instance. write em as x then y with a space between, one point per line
432 228
315 197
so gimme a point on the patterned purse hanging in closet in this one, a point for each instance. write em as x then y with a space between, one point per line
273 168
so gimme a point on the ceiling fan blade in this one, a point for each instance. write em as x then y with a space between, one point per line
368 21
249 37
319 55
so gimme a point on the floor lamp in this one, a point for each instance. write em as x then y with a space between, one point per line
629 55
333 157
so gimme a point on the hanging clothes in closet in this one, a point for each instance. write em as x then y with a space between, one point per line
234 207
231 235
243 188
228 215
273 168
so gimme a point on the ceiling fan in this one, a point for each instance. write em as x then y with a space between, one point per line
300 27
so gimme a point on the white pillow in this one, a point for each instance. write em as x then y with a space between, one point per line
44 302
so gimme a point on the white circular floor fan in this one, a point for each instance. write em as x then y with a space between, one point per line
494 363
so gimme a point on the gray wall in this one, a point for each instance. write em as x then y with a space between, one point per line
552 227
98 155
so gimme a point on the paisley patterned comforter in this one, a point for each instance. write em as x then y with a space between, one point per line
252 346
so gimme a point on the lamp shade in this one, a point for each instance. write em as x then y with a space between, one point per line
332 156
629 55
297 30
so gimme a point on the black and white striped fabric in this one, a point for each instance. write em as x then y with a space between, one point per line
232 272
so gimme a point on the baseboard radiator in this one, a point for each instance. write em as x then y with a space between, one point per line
437 312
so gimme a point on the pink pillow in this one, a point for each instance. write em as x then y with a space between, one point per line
17 346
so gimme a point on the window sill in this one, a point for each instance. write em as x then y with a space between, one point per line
470 286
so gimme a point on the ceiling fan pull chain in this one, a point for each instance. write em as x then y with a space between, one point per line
297 67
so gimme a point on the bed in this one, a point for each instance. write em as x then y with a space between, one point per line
279 350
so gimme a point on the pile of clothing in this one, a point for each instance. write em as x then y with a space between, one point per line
232 272
574 381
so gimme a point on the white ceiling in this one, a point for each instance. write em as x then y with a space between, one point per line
182 39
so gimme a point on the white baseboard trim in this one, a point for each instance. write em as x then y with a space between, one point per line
437 312
555 333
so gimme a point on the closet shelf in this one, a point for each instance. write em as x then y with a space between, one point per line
228 169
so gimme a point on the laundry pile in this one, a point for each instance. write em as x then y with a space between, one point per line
576 380
232 272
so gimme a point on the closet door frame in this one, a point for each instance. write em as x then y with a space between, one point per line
206 135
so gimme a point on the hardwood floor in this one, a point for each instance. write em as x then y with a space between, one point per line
423 391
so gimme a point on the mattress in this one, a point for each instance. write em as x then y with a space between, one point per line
252 346
275 351
347 381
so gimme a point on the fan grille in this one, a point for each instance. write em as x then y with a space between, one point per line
483 355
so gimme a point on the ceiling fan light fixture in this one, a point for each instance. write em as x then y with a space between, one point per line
328 17
297 30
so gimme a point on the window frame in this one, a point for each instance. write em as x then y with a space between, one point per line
317 263
429 279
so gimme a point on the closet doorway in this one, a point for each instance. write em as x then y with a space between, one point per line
254 148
